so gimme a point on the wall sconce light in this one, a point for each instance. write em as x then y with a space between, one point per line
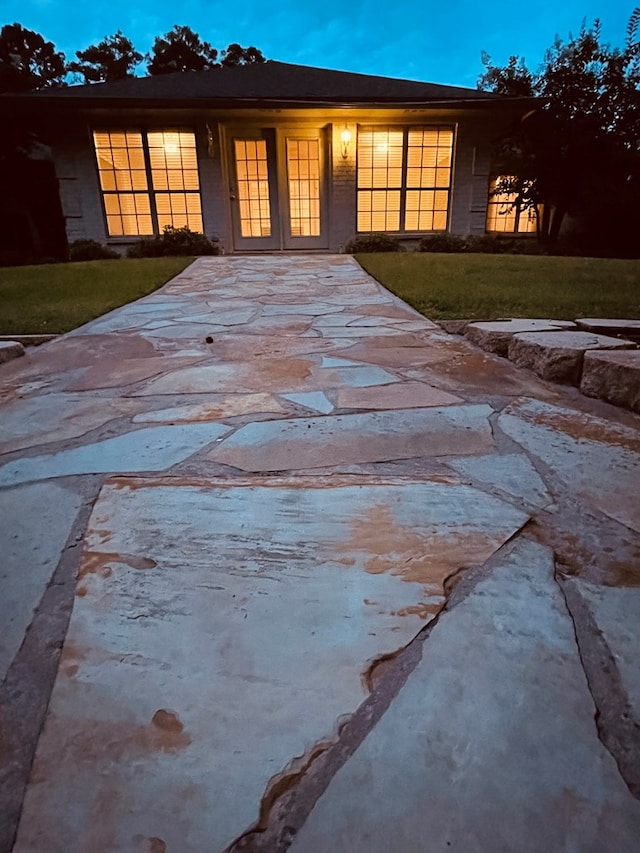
211 142
345 137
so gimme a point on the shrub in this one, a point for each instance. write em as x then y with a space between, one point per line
443 243
372 243
90 250
173 241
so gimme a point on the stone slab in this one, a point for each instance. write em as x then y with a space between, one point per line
616 611
613 376
315 400
512 473
10 350
609 325
350 439
225 633
44 418
217 408
495 336
29 340
403 395
596 460
491 745
30 553
278 375
558 357
146 449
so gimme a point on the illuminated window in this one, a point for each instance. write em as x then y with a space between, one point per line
253 187
148 181
303 170
506 215
404 178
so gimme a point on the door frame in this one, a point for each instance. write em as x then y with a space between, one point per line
276 137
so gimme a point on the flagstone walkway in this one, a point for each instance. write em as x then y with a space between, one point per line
339 582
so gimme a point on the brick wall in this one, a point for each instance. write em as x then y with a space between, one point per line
342 188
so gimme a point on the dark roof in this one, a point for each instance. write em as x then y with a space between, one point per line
274 82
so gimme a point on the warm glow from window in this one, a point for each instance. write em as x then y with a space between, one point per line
253 187
404 178
506 216
123 179
128 181
303 171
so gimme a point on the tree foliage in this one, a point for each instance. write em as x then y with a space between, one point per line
236 55
578 153
181 50
114 58
27 61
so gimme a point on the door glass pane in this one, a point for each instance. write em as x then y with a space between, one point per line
303 172
253 187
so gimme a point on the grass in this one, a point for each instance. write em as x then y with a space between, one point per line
468 286
54 298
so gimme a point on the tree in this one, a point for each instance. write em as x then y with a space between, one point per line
27 61
181 50
236 55
578 153
114 58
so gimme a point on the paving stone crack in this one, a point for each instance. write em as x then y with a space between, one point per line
617 731
26 688
291 794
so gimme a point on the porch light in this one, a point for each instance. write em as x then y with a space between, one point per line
345 137
211 141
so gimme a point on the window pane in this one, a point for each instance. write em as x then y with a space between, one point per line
303 162
253 187
122 169
416 163
379 210
173 159
114 226
506 215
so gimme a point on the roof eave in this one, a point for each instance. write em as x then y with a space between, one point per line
102 103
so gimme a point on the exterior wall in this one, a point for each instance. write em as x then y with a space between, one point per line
342 190
213 192
79 188
82 202
471 177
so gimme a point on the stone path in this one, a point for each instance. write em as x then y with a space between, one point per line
340 582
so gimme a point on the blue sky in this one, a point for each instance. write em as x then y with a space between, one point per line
439 42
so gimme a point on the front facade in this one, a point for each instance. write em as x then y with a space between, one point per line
273 157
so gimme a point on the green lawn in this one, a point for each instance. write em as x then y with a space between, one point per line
55 298
467 286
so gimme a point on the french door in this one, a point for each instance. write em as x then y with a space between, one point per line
277 188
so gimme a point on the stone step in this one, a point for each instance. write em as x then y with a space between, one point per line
495 336
610 326
10 350
558 356
613 376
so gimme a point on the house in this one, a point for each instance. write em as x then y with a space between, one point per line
272 157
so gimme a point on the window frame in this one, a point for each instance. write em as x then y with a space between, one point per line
516 208
150 192
403 189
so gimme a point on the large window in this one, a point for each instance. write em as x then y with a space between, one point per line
404 178
149 180
506 214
